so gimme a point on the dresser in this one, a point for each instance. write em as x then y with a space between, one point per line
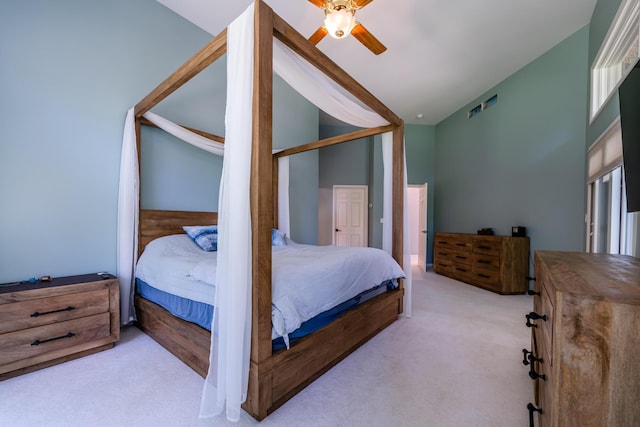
497 263
584 359
45 323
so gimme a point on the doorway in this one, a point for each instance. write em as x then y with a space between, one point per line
417 206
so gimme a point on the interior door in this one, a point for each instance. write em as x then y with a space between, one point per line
350 215
422 226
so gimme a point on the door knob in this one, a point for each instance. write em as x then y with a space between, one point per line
337 229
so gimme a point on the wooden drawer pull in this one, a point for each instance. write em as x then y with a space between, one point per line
67 335
484 276
484 247
68 308
461 244
461 257
532 409
484 261
534 316
461 269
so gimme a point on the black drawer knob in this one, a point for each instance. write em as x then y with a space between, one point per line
532 292
534 316
531 407
528 357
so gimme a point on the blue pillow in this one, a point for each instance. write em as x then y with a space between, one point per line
277 238
205 236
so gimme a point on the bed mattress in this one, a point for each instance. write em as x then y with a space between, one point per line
307 280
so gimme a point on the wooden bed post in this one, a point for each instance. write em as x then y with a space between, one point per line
398 198
259 396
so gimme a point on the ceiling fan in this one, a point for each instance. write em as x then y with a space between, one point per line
340 21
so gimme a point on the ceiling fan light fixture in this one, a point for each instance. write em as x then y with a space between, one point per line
339 19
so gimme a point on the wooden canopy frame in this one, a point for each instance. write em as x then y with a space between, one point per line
276 376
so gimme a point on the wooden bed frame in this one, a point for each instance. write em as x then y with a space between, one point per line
274 377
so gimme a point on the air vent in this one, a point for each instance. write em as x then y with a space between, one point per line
483 106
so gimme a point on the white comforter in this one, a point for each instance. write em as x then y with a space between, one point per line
307 280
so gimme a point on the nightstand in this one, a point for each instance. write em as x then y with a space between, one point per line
46 323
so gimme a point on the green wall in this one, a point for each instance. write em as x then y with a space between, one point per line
70 71
521 161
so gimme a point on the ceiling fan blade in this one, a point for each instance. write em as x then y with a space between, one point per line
361 3
318 35
319 3
366 38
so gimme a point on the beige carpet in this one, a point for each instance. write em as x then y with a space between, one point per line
456 362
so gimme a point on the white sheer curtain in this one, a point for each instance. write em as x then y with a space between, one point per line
226 384
185 134
283 196
127 232
320 90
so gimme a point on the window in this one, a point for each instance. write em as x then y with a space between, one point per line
610 229
618 54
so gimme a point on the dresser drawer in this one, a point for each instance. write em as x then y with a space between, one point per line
32 342
458 242
443 266
491 247
543 306
441 254
490 278
462 272
486 262
43 311
459 257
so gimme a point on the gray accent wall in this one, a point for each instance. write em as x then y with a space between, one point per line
360 163
522 160
70 72
349 163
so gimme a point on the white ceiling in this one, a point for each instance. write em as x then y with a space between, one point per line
441 54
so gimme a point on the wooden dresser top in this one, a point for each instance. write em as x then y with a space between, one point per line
600 276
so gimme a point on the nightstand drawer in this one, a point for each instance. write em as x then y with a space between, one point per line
31 342
43 311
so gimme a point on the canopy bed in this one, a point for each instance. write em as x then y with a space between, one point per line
238 359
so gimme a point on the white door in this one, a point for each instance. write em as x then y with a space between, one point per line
350 215
422 226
